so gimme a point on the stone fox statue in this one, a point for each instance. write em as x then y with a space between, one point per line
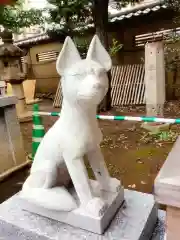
74 135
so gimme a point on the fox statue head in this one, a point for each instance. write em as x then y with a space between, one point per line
83 81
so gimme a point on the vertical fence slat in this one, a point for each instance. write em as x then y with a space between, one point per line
115 78
137 82
142 88
127 83
132 86
121 72
121 90
58 97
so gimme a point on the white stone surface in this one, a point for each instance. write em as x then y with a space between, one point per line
135 221
167 191
167 182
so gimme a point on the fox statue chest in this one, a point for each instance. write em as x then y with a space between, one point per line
66 137
77 135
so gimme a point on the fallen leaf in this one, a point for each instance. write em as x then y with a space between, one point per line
139 161
132 186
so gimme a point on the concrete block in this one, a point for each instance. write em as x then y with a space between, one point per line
8 100
154 78
154 73
5 150
136 220
167 183
15 137
12 152
167 191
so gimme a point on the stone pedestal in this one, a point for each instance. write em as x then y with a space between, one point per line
23 114
136 220
12 153
154 78
167 191
2 88
29 89
13 72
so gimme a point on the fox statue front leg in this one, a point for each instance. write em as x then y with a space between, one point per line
101 173
88 202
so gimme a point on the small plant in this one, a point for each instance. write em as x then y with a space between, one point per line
163 136
116 46
169 136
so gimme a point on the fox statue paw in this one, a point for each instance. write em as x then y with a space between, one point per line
113 185
96 207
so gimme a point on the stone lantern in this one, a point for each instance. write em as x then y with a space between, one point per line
12 72
2 88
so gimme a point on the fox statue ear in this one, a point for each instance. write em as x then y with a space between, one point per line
67 57
98 53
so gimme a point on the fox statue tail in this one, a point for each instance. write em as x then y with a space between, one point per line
57 198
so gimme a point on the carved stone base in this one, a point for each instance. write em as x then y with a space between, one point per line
79 218
136 220
25 117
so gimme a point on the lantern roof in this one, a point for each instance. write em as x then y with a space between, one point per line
8 49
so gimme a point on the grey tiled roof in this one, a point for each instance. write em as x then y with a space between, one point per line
33 39
137 12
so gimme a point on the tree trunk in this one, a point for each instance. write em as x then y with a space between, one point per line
100 15
8 2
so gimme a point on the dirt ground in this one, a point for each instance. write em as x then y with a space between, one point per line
130 153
